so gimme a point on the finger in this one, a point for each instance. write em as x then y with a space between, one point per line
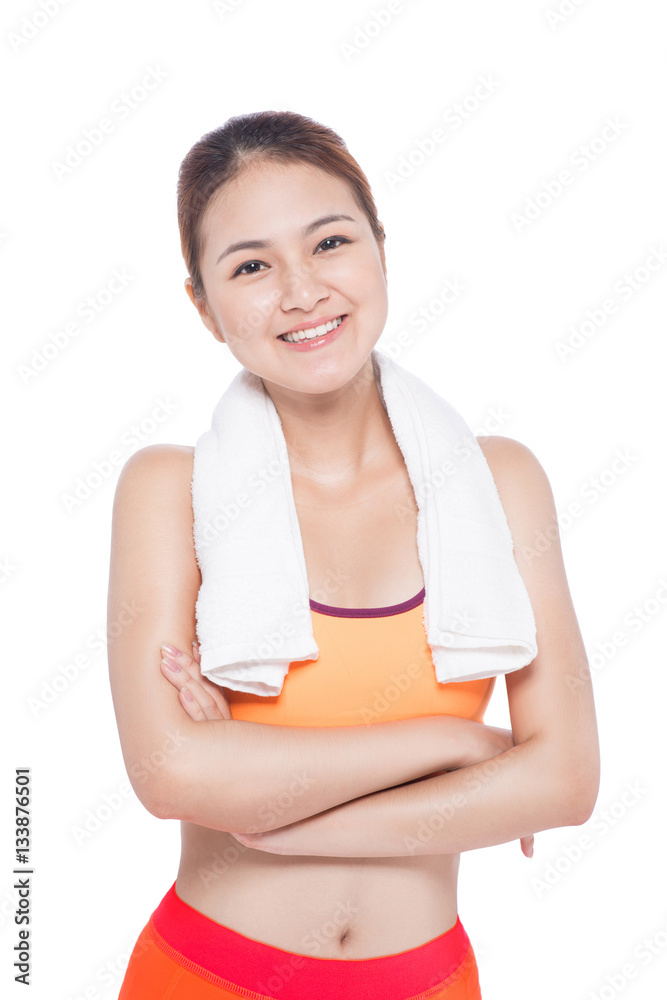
183 659
181 666
247 839
198 703
189 704
188 663
214 690
267 841
527 846
174 674
177 675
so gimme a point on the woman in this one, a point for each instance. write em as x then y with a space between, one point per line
311 862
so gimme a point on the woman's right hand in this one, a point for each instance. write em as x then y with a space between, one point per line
199 697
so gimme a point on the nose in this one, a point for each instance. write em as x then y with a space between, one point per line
302 288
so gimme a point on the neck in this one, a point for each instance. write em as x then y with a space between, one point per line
335 438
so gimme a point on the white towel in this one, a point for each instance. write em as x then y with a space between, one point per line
253 612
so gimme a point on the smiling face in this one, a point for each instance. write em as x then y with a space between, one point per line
284 247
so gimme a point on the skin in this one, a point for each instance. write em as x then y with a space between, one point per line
203 700
347 475
332 429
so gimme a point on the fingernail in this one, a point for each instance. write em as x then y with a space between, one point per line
170 666
186 694
170 649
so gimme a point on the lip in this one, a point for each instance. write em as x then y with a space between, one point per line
315 322
326 338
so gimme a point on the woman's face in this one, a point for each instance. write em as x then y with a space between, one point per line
299 272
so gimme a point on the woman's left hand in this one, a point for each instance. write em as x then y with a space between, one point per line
199 697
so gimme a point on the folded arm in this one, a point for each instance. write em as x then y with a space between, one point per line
509 797
227 775
550 777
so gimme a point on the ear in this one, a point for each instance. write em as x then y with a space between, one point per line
381 246
201 305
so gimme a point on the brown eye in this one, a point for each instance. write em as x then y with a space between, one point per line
333 239
242 268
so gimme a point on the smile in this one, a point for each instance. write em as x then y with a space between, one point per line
310 333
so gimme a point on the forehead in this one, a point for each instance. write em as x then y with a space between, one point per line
268 197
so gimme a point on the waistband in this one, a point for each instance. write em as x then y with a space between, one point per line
253 965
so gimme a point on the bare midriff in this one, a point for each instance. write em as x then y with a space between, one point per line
351 908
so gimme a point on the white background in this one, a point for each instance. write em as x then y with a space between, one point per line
453 216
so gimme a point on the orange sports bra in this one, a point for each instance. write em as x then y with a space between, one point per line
374 665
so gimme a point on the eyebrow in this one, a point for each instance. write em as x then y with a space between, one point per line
264 244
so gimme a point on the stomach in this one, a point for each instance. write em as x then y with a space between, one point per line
349 908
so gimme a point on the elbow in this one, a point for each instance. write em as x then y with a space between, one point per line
160 782
582 806
573 782
582 795
173 796
155 765
165 799
181 782
179 792
157 794
170 794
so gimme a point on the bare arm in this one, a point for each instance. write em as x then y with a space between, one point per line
550 778
225 775
506 798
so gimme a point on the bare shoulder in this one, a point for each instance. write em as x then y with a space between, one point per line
152 508
509 458
516 470
524 490
159 458
157 467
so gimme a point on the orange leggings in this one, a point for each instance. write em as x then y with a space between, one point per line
181 954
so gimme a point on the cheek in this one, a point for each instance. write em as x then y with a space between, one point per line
372 287
364 283
248 314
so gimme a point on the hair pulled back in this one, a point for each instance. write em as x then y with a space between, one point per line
282 136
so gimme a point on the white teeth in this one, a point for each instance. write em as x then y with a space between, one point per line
316 331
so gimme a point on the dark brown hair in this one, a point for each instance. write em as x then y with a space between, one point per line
283 136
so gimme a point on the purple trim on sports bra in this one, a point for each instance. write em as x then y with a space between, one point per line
391 609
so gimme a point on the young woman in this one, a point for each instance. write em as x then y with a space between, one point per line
319 859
